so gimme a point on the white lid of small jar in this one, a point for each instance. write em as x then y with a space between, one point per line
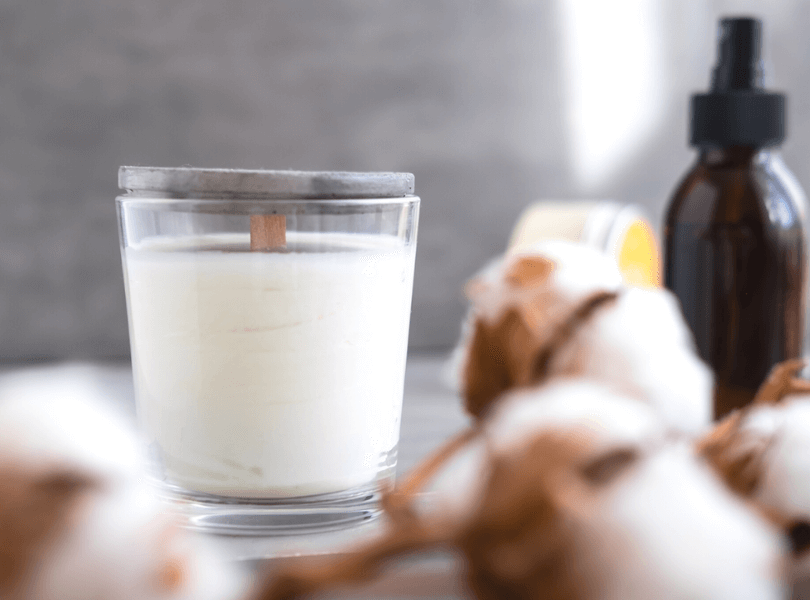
188 182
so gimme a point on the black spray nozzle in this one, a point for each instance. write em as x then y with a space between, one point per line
739 56
737 110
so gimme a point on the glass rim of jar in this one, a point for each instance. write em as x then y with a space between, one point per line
258 205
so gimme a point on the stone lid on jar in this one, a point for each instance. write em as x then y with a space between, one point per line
188 182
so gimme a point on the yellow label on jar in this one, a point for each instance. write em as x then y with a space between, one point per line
637 256
620 230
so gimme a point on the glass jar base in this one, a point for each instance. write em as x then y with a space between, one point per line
272 517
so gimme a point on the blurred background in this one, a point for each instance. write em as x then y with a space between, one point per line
492 105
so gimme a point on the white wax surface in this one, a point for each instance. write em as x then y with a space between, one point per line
268 374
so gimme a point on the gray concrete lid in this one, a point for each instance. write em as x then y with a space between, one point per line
188 182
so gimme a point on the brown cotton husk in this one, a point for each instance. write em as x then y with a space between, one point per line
782 381
515 350
735 456
520 305
490 369
578 320
522 544
511 309
34 509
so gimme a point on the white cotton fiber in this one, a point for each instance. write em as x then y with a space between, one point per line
642 347
679 534
118 540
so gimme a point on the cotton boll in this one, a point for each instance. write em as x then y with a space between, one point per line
667 528
559 274
774 440
763 454
642 347
55 416
785 483
518 305
78 518
560 310
565 516
107 549
128 545
783 487
680 534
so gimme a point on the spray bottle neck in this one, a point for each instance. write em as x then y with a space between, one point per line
734 156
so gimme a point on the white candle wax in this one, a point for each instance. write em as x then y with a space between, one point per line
271 374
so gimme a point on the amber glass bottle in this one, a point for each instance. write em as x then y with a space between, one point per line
734 235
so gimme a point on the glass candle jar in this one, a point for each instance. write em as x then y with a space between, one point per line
268 318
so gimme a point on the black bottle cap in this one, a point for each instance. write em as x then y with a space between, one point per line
738 111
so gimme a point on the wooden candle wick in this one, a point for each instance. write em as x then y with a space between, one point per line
268 232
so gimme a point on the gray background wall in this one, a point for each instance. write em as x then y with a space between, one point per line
472 97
